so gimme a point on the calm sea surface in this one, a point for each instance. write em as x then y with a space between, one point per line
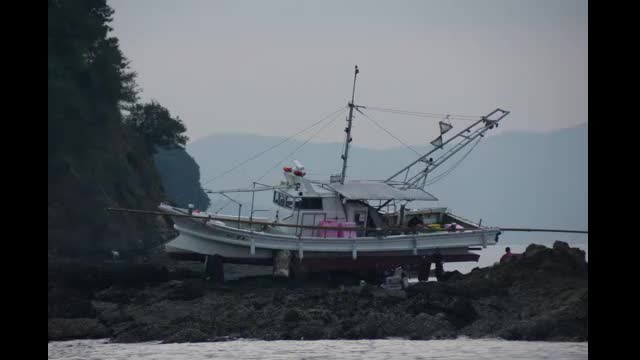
461 349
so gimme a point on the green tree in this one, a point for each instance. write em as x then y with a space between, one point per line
89 78
156 126
94 159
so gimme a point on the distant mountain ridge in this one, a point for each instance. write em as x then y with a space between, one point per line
511 179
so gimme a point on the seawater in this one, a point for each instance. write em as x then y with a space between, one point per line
459 349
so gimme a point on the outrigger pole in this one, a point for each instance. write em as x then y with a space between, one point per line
467 135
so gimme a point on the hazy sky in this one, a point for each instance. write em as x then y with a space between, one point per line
273 67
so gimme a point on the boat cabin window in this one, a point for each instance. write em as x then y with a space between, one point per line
290 202
309 203
278 198
283 200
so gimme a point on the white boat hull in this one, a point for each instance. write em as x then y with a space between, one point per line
215 238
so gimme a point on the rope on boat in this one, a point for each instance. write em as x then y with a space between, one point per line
545 230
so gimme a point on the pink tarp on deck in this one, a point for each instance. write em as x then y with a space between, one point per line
347 233
331 233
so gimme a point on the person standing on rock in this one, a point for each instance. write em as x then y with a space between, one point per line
437 258
507 255
403 278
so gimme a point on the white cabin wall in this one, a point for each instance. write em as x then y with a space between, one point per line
353 208
333 208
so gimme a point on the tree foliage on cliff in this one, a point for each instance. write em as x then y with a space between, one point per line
88 76
89 81
154 123
94 161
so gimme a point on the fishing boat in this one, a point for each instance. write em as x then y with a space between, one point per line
341 223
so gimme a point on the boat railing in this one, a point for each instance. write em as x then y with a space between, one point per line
372 232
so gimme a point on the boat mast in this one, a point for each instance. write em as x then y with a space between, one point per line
348 138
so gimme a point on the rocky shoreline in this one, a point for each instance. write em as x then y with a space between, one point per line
540 295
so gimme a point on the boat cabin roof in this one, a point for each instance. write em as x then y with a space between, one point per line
358 190
375 190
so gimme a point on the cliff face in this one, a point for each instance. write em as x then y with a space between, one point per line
180 176
94 161
114 171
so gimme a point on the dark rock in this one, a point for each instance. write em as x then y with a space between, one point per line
534 249
542 295
141 332
181 274
223 338
309 330
187 290
292 315
482 287
136 275
426 327
79 328
322 315
424 288
111 313
452 275
435 299
89 277
79 276
561 246
366 292
460 312
387 298
187 336
260 303
116 294
566 321
67 303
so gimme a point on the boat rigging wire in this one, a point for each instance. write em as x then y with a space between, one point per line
424 114
255 156
389 133
336 117
454 166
